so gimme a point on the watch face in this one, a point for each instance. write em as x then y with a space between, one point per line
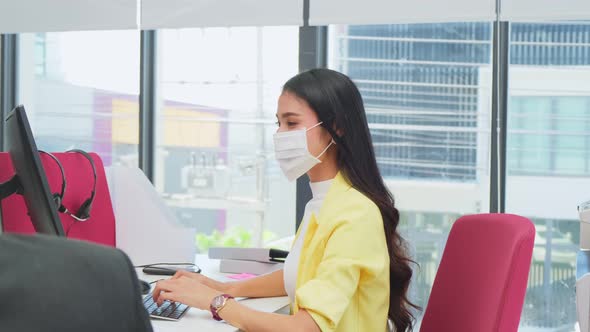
218 301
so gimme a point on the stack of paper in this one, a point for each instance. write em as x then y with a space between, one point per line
248 260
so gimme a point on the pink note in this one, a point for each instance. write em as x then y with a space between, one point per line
242 276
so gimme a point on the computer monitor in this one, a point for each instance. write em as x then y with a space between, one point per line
29 179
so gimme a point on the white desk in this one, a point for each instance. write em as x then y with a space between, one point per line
200 320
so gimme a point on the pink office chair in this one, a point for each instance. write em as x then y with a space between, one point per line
482 278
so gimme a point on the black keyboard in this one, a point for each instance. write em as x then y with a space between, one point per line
168 310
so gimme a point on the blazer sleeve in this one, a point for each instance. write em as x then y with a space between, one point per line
354 251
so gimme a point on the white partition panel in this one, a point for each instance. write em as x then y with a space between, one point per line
158 14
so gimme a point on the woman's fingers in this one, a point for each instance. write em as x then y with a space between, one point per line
167 296
161 287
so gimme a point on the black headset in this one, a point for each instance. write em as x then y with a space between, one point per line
83 212
58 197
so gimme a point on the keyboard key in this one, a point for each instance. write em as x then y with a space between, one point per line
169 310
152 307
177 313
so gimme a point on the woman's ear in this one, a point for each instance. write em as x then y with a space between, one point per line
338 132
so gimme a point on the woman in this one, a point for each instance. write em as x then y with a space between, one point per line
348 269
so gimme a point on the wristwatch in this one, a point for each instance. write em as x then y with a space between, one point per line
218 303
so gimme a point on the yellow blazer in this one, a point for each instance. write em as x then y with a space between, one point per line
343 274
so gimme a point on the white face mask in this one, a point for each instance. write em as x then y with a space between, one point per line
292 154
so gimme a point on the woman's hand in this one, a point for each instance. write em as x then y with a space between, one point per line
220 286
183 289
191 275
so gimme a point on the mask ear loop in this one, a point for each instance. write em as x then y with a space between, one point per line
326 149
315 125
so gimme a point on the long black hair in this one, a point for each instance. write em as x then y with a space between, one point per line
339 106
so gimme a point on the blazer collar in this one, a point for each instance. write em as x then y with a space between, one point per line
340 184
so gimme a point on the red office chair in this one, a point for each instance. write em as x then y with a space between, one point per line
482 278
100 228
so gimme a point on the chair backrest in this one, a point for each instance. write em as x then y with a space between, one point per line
481 282
99 228
50 283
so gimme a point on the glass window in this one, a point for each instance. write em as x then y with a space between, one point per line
548 159
217 104
531 142
572 119
80 90
426 89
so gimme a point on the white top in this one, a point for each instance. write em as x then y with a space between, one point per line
319 191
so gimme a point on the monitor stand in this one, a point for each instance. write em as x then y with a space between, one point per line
12 186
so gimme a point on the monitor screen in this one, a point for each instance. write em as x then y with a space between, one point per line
30 176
